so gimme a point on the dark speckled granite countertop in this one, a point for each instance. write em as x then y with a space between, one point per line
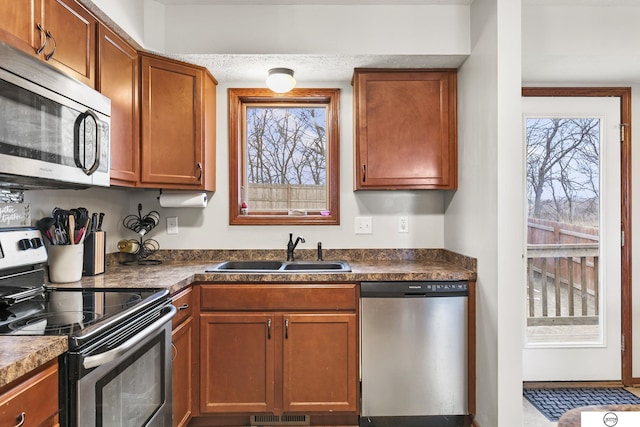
20 355
180 268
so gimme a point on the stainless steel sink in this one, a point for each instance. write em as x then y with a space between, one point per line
316 266
250 266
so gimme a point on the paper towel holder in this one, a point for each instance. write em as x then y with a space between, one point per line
183 199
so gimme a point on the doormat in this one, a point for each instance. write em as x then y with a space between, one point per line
553 402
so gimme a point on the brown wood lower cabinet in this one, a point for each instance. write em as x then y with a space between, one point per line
32 400
278 350
183 341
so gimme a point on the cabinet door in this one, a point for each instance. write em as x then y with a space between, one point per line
320 363
171 146
406 129
36 397
72 49
237 362
18 24
182 338
117 79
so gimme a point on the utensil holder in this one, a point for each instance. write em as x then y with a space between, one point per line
65 263
94 253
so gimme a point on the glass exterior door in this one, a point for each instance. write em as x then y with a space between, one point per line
572 329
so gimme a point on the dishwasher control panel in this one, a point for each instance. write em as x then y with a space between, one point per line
414 289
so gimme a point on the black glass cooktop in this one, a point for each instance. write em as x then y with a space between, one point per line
68 311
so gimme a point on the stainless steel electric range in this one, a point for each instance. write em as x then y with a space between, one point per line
117 371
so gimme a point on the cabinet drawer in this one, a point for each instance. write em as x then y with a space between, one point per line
278 297
183 301
37 397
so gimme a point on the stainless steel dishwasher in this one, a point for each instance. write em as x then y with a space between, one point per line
414 354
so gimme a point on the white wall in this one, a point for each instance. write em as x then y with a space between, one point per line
313 29
209 228
337 29
484 217
128 14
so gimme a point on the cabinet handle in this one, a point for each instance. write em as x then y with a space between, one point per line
199 165
48 56
364 173
269 329
46 38
21 419
174 351
286 329
183 307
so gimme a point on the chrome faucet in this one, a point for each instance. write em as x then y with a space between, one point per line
291 246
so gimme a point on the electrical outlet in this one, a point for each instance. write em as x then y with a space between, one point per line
363 225
403 224
172 225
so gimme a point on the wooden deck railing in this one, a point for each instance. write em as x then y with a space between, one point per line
566 276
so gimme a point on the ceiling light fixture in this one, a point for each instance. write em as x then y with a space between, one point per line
280 80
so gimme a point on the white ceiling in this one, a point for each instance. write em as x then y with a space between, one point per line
311 68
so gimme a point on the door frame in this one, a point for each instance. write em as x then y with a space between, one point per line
624 94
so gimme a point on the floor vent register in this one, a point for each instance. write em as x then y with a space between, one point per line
280 420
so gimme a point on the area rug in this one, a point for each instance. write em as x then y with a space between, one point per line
553 402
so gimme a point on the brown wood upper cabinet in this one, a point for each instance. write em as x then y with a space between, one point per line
61 32
405 129
117 79
178 125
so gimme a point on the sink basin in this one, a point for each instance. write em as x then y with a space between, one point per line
250 266
316 266
247 266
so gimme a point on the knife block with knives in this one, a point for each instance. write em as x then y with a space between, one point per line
94 248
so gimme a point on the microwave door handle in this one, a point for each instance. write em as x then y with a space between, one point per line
111 355
82 118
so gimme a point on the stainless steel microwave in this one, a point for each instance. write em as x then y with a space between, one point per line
54 130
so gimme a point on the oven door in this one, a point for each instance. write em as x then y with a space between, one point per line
131 384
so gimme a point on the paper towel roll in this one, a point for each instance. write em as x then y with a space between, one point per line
177 199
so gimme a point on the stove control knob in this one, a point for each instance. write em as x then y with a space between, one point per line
36 242
24 244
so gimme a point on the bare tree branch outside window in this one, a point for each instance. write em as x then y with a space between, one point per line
563 178
286 145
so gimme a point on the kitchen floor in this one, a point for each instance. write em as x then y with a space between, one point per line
534 418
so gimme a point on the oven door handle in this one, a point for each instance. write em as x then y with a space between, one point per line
111 355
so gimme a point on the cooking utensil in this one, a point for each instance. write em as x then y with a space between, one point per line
71 229
101 218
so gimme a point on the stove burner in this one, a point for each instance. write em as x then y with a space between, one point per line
59 323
